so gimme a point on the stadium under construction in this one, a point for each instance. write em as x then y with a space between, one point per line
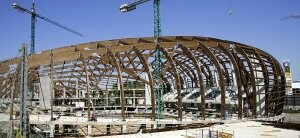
107 87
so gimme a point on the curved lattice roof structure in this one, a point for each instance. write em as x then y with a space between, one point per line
189 62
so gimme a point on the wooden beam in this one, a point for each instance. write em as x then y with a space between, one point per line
113 58
150 77
197 65
220 74
238 79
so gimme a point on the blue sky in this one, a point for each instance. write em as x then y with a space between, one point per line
253 22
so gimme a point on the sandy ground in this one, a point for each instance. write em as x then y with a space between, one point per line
245 129
248 129
292 118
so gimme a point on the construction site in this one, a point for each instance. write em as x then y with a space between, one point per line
138 85
107 87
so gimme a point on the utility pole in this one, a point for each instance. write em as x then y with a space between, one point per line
24 116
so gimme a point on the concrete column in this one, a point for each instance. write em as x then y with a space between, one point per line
90 130
51 130
64 95
216 76
124 128
234 78
155 125
133 102
107 129
11 133
76 95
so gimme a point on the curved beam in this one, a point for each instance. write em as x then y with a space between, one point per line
276 89
252 78
212 57
196 64
113 58
282 86
71 78
204 67
266 79
150 76
190 73
238 79
168 57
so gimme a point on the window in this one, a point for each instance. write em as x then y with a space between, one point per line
296 91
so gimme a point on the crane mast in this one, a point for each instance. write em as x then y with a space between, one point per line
34 15
33 20
159 87
157 26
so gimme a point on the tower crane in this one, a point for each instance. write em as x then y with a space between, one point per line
158 55
33 20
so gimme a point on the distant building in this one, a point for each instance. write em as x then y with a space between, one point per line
296 88
288 76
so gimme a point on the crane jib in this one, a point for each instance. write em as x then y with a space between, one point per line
33 20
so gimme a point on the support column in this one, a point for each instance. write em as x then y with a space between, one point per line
64 96
11 131
238 79
200 81
252 79
12 105
87 88
76 91
266 83
52 84
276 84
124 128
108 129
177 77
24 117
151 84
90 130
216 63
51 130
12 89
117 64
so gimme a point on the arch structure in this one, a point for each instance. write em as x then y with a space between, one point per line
204 77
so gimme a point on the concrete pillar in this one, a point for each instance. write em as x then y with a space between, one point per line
76 95
11 133
51 130
107 129
155 125
133 102
124 128
90 130
234 79
64 95
216 76
56 128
